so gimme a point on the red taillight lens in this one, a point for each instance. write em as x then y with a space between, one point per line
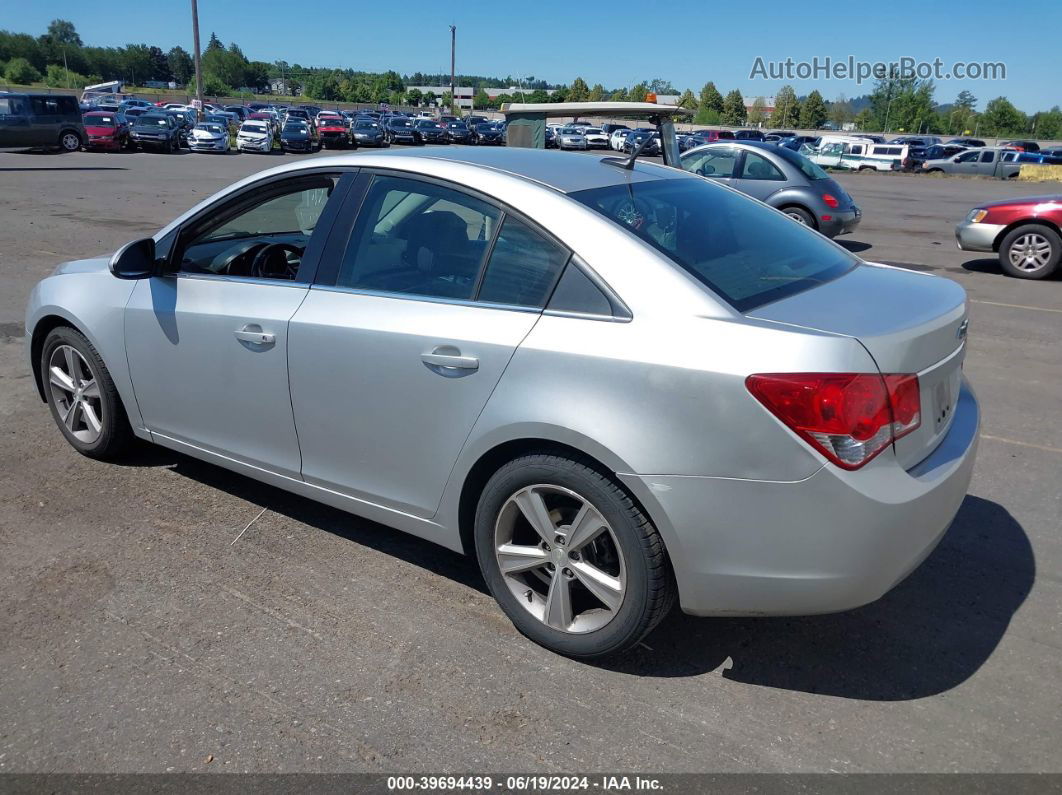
830 200
848 417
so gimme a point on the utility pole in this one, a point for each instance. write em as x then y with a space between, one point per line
195 48
453 87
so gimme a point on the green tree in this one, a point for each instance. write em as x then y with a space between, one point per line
429 99
181 65
137 63
758 111
620 95
963 113
597 93
21 71
579 91
710 99
61 31
1048 124
59 77
660 86
864 120
813 111
1002 118
214 43
786 107
733 109
481 100
840 112
638 92
22 45
415 97
687 100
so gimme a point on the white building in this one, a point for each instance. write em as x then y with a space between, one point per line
462 94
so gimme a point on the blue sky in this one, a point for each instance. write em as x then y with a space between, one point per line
558 41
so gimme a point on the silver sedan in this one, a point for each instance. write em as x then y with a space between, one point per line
617 387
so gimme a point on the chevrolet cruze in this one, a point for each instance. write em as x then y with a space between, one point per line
618 385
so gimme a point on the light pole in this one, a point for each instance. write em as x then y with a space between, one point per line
195 51
453 51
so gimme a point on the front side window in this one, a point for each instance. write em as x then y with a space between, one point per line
745 252
265 238
968 157
715 162
523 266
418 238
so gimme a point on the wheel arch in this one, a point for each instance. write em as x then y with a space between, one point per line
788 203
40 332
1006 230
491 460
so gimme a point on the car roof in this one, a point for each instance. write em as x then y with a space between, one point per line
562 171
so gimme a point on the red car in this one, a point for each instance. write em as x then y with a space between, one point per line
105 130
1025 232
334 131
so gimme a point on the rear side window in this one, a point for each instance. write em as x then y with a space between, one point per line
418 238
745 252
758 167
523 266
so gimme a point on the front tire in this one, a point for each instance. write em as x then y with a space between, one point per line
69 141
1030 251
570 558
82 397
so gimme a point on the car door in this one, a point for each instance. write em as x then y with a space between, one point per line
758 176
44 124
394 355
986 163
14 122
966 163
207 341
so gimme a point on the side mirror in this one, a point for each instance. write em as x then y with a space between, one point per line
135 260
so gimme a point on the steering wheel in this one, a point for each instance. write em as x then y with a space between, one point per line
635 213
271 261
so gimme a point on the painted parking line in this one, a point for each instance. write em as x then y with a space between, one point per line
1018 306
1005 440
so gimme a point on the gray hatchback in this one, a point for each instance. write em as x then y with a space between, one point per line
780 177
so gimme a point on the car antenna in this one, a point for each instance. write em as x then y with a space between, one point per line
628 162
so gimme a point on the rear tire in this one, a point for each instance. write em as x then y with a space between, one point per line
801 216
82 397
617 551
1030 251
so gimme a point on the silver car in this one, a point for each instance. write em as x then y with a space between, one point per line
617 387
780 177
985 161
571 138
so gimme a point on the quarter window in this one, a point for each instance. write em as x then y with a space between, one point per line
523 266
418 238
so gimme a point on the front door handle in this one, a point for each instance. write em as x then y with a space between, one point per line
253 334
443 358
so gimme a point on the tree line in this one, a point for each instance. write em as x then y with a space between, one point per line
60 58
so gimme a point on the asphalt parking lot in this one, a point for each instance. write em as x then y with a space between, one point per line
135 636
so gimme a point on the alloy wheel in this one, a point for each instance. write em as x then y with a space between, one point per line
798 218
560 558
1030 252
70 142
75 393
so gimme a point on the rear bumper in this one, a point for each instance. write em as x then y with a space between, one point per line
834 541
977 237
840 223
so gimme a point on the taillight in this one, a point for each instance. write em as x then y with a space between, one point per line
848 417
830 201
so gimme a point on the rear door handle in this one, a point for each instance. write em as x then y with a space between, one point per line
450 361
253 333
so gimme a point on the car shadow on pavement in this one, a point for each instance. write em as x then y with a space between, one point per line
984 265
426 555
929 634
855 246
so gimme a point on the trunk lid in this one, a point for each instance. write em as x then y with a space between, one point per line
909 323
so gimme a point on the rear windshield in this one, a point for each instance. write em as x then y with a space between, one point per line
807 168
747 253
